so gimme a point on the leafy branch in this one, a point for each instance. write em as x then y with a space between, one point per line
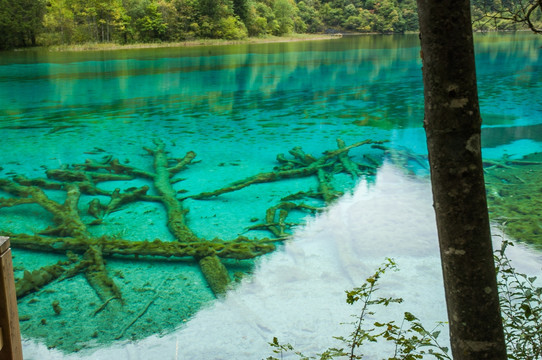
521 308
521 311
411 343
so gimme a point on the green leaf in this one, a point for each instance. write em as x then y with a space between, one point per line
410 317
527 309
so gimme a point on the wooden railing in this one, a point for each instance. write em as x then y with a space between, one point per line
10 335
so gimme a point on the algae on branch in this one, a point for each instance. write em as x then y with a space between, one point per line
69 234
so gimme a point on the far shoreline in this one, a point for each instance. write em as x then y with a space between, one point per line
111 46
187 43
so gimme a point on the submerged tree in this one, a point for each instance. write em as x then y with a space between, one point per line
71 200
453 127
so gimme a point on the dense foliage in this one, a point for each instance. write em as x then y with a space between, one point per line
48 22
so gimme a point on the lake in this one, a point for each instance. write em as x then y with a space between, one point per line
134 183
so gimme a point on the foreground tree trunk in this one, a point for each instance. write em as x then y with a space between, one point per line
453 127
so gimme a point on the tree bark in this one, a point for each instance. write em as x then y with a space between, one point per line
453 127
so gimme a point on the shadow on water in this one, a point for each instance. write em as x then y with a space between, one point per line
498 136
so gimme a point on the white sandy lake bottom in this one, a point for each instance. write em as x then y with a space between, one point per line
298 293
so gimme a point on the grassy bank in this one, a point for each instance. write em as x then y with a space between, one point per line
198 42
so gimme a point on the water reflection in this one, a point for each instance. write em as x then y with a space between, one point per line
498 136
237 107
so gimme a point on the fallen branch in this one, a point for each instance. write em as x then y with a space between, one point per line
240 248
102 307
311 168
141 313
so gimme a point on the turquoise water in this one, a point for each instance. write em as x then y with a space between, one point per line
236 107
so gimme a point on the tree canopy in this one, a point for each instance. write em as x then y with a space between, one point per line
51 22
508 14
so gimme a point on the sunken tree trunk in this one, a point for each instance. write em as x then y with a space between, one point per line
453 126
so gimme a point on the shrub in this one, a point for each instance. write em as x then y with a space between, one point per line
231 28
411 339
521 310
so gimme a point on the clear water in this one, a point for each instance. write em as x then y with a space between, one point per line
236 107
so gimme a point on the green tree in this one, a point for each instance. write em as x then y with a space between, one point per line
409 14
151 26
187 18
230 28
310 16
387 17
284 11
264 19
8 28
20 22
257 21
369 4
93 20
210 8
241 9
331 16
59 23
122 24
170 18
31 17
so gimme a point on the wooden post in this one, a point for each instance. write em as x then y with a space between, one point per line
10 335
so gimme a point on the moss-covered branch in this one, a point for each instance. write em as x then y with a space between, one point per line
97 276
114 167
214 271
70 234
349 166
65 216
162 182
306 165
239 248
119 199
325 188
34 280
278 225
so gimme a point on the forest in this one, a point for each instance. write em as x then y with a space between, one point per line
26 23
